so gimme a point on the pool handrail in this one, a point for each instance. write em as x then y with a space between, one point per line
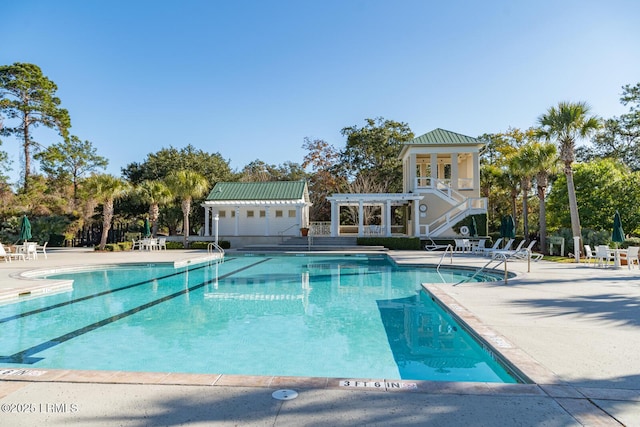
448 249
213 246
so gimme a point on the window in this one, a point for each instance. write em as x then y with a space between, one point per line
222 214
249 214
278 214
263 214
292 213
233 214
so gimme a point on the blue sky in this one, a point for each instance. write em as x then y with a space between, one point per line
250 79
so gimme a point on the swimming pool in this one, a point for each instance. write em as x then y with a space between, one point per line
312 316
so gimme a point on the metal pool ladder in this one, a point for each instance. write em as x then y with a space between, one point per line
214 248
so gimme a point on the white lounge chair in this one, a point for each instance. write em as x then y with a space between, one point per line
507 247
496 245
511 252
433 246
8 256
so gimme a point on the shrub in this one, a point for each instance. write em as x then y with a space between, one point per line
224 244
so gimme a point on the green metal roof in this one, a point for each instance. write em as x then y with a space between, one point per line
272 190
443 137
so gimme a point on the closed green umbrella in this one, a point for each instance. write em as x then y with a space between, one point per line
25 229
473 230
511 228
147 228
617 235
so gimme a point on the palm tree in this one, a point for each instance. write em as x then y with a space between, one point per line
106 189
540 161
186 185
154 193
567 123
521 167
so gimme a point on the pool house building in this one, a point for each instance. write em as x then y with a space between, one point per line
441 187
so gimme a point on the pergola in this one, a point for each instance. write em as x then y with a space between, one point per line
386 200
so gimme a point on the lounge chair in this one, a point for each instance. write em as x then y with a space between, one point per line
8 256
478 248
523 254
433 246
487 251
507 247
510 252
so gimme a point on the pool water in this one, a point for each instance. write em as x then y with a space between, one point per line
313 316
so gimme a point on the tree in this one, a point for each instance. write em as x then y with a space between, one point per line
375 149
325 179
106 189
159 165
28 97
603 186
620 136
567 123
186 185
259 171
154 193
541 161
70 161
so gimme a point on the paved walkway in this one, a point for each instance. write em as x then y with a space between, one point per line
572 328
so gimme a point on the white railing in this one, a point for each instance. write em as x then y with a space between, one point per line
444 185
320 228
453 215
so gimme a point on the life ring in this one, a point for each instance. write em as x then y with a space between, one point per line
464 230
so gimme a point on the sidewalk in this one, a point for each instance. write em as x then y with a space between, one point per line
573 327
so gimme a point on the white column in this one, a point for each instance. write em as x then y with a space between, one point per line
454 171
207 209
266 221
476 175
237 230
216 220
360 218
416 219
412 172
335 219
387 218
434 169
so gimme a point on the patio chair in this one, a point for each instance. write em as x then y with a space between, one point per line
30 250
603 255
631 256
433 246
43 248
462 245
590 255
135 245
162 243
8 256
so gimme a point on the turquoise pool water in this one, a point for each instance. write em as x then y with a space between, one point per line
322 316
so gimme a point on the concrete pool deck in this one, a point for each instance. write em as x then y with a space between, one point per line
574 329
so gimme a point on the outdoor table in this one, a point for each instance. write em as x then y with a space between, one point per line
616 257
